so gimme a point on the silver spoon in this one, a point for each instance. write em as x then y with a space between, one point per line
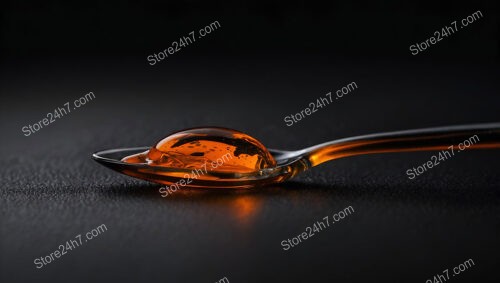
290 163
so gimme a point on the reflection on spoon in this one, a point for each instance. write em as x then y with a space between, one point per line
224 158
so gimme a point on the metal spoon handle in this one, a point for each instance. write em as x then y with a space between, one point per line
450 138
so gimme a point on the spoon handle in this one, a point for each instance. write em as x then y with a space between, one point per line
450 138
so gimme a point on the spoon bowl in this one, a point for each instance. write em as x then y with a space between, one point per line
286 168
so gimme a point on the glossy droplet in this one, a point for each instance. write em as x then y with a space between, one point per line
210 149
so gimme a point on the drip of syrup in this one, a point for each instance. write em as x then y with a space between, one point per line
218 149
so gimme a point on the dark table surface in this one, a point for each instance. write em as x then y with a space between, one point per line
401 230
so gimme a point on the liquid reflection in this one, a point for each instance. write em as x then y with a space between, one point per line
243 207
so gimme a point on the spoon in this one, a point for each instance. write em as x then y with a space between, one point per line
223 158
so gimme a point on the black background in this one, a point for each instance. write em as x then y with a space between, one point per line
266 61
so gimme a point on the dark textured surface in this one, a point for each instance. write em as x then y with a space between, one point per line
402 230
266 61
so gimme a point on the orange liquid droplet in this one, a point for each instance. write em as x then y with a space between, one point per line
210 149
